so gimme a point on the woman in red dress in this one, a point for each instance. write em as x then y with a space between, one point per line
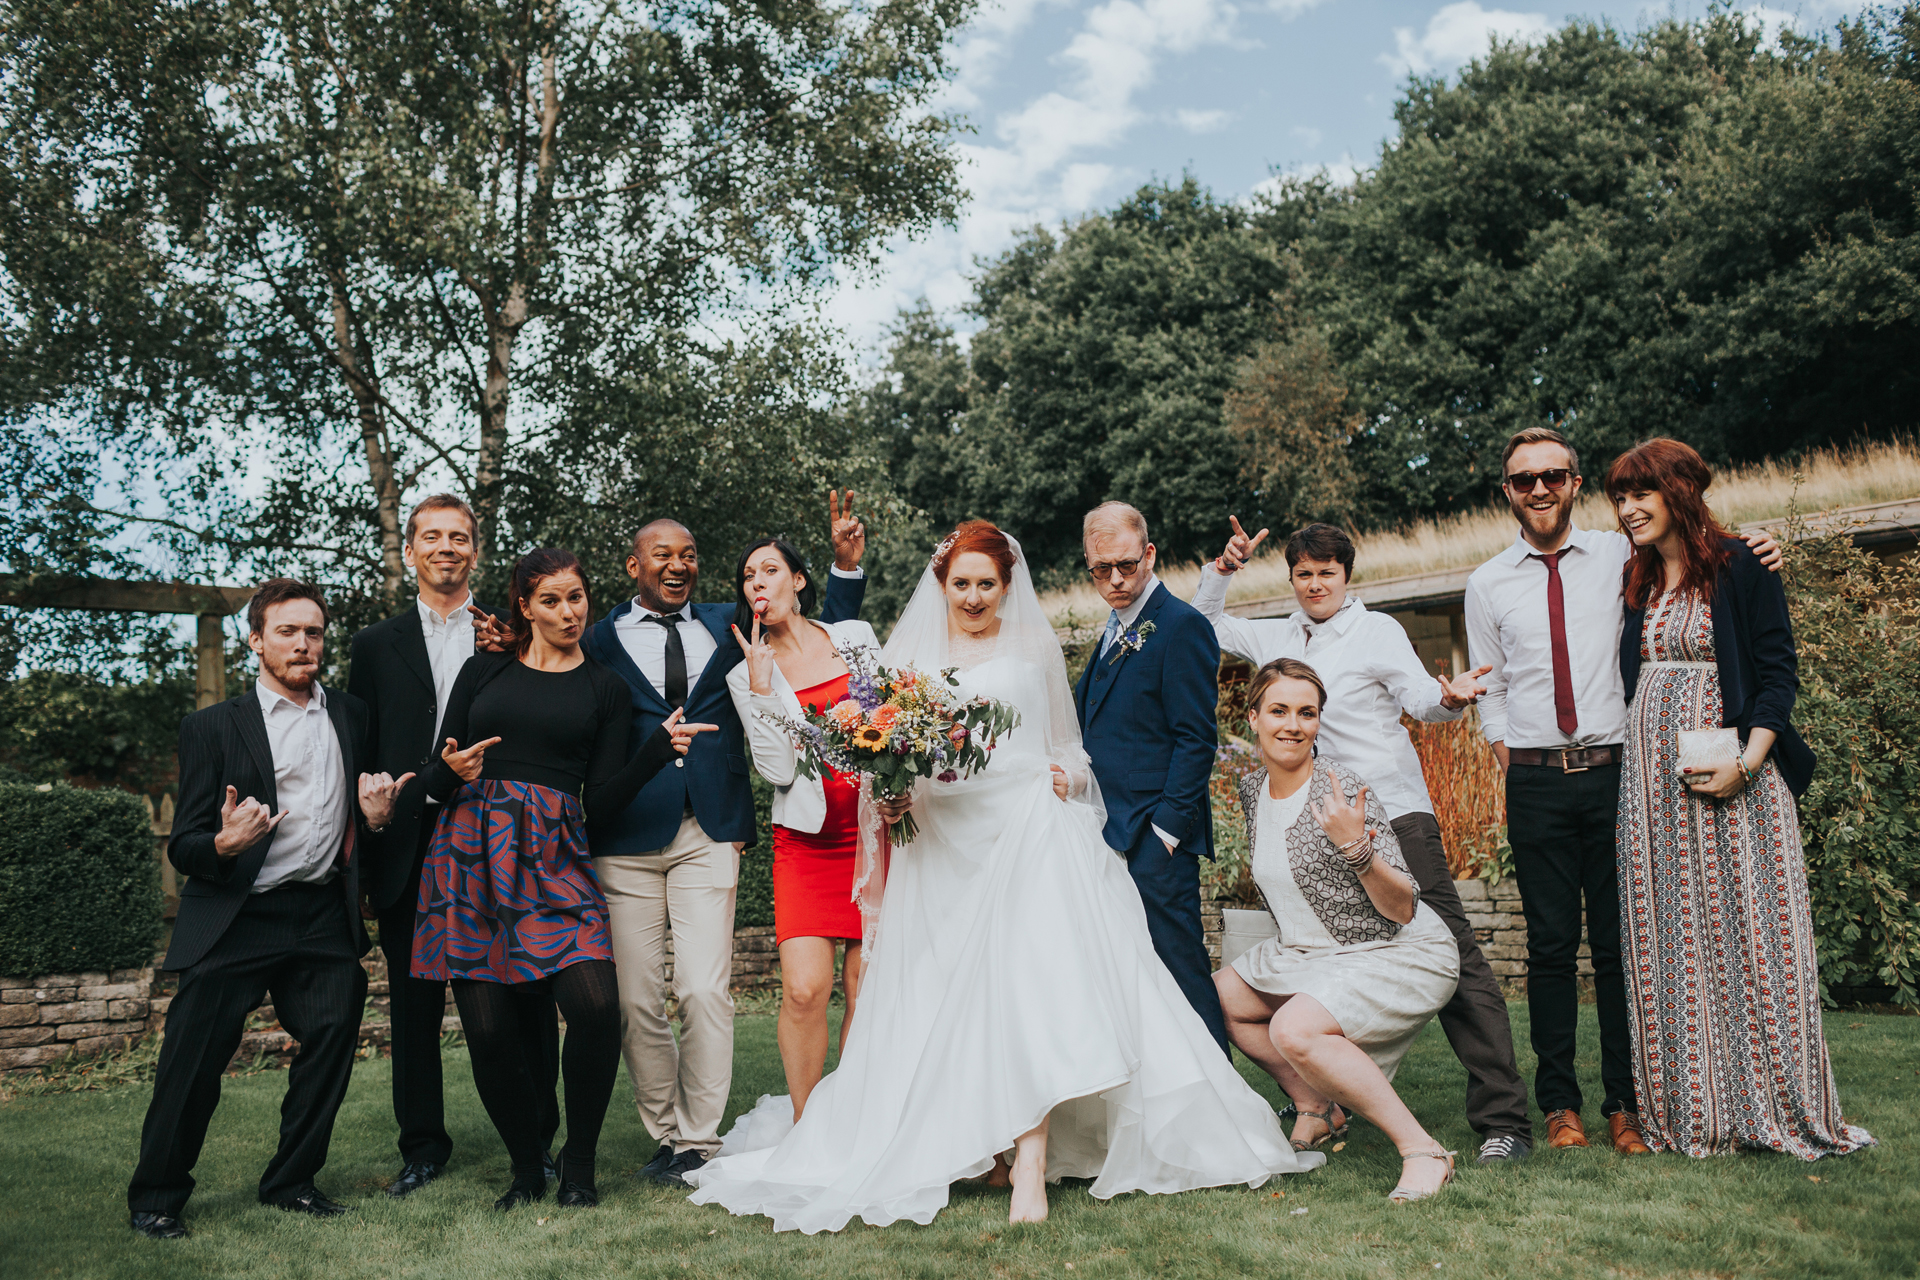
791 661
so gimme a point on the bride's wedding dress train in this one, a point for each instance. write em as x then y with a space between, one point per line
1011 976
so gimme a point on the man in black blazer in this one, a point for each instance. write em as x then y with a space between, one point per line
403 668
265 834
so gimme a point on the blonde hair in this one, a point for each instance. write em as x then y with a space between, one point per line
1114 517
1283 669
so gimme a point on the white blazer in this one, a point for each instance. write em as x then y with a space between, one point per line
799 803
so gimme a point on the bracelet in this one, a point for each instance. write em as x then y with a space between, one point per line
1357 841
1745 773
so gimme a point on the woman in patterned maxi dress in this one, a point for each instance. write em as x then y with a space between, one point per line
1717 935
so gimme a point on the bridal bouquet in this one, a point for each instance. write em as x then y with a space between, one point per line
898 724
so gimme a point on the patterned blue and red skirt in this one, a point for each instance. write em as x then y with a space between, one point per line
507 892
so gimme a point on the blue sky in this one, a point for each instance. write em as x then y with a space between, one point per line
1075 103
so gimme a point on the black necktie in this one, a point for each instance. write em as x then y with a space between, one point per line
676 689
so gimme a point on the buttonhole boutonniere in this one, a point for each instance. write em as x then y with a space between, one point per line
1130 642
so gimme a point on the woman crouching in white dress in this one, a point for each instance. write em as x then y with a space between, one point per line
1331 1004
1012 997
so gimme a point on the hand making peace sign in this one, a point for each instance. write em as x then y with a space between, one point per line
1239 548
1343 822
759 655
849 534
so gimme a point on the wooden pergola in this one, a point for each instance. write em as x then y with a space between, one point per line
212 605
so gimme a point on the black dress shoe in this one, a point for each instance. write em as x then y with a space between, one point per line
576 1191
416 1175
651 1170
159 1226
521 1193
312 1202
675 1174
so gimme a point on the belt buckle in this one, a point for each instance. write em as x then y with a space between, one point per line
1567 755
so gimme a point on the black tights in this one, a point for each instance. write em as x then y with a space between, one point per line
500 1020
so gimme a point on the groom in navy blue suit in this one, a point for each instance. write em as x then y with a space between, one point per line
671 863
1147 703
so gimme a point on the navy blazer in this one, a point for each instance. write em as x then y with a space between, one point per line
713 776
226 745
1148 721
1753 648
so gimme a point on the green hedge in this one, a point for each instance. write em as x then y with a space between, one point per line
79 889
754 904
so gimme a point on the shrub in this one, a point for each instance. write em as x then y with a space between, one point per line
1856 622
79 890
1469 795
753 903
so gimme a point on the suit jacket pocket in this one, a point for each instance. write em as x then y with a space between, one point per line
737 764
1147 780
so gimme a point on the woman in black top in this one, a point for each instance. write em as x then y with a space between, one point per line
508 896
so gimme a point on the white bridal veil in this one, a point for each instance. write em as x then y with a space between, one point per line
1049 729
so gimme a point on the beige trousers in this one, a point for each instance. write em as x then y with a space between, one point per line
687 889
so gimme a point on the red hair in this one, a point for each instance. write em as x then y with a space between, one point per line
1680 476
982 536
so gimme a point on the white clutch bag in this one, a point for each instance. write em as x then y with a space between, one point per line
1242 931
1701 748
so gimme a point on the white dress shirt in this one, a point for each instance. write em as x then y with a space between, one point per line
310 785
1371 672
449 645
646 642
1508 630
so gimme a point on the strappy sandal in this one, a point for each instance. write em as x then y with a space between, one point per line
1324 1117
1407 1195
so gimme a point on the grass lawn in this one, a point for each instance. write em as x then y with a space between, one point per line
1578 1213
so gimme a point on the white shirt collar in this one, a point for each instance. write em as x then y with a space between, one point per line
1342 618
430 617
640 611
269 699
1578 539
1129 614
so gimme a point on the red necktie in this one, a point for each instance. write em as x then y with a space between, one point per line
1563 712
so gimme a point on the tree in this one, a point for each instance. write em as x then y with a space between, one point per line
385 243
1291 409
1682 231
1098 372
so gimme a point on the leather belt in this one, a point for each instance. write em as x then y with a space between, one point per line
1569 760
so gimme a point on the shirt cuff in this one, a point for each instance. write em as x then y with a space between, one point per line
838 572
1165 839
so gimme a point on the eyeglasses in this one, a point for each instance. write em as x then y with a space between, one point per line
1555 480
1103 571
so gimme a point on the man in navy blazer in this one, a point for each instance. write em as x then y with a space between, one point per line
672 863
1147 704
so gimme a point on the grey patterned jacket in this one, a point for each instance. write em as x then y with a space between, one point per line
1326 882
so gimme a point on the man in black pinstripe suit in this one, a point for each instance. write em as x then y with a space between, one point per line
265 833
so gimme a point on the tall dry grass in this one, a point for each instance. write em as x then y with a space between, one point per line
1469 795
1828 478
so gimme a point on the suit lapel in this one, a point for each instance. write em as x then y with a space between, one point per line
410 638
718 620
337 715
253 731
615 655
1108 674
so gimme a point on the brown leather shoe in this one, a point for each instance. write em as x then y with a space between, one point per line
1565 1130
1628 1139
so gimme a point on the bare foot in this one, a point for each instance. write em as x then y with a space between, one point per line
1001 1175
1029 1191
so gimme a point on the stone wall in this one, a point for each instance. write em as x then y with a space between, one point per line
47 1017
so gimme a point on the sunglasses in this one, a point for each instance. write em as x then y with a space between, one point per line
1104 571
1555 480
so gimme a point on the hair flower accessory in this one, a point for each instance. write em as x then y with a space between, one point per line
1132 641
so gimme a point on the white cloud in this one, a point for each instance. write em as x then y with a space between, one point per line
1311 137
1341 172
1044 159
1201 121
1291 9
1458 33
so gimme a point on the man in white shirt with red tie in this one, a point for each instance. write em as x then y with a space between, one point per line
1372 676
1544 618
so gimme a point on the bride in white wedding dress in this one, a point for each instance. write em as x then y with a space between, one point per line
1012 997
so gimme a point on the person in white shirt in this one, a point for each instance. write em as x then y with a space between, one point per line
1544 616
1372 676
